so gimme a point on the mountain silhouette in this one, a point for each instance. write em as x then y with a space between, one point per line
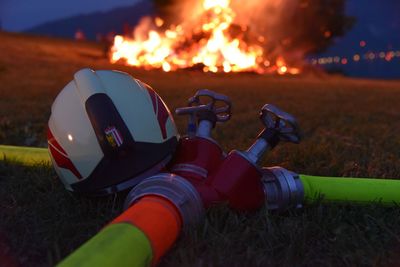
95 23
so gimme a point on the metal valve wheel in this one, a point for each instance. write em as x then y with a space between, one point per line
207 100
282 123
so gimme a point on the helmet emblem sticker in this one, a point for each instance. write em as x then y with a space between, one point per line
113 136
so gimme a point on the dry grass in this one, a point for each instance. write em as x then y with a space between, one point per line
350 128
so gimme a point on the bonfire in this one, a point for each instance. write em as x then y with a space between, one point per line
215 41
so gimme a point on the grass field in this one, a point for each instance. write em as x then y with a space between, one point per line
350 127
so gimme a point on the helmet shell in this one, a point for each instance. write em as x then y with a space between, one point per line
107 131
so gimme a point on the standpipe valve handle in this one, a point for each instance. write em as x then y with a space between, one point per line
279 126
209 108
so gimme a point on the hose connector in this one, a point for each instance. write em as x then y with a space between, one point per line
283 189
177 190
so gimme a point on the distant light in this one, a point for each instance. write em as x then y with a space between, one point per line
363 43
389 56
371 56
70 138
327 34
336 59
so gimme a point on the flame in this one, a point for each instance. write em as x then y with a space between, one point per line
215 49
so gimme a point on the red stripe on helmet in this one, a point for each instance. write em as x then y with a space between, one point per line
153 98
162 117
160 109
60 156
50 138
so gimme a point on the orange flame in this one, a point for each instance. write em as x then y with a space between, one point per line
216 50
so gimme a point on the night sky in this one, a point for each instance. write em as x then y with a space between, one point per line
17 15
378 24
379 21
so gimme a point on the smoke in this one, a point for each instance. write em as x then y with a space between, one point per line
270 19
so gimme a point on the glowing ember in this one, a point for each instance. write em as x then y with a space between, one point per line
211 44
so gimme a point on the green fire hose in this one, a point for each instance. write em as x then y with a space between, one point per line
355 190
27 156
113 247
285 189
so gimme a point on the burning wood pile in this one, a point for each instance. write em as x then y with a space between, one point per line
214 41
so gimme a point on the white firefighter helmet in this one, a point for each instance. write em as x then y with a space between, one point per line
108 131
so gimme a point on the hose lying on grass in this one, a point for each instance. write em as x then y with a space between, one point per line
354 190
155 214
27 156
138 237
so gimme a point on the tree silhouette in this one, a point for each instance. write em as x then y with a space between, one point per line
316 23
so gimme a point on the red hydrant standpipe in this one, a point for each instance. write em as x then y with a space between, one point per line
236 178
217 177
